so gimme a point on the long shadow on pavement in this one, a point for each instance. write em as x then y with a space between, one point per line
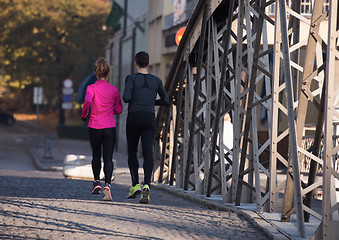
49 188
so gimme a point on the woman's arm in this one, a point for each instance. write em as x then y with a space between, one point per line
117 106
88 102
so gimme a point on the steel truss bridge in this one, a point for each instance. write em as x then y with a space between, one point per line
223 63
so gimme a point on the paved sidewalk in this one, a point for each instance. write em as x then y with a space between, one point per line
60 148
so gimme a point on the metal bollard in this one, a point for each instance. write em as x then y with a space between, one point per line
47 149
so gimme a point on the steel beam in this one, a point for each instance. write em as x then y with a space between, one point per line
291 120
176 157
330 203
195 98
304 99
220 98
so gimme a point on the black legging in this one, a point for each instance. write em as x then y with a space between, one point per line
140 124
104 138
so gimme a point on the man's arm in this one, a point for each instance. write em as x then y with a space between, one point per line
128 89
164 100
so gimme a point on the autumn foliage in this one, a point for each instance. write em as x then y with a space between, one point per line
42 42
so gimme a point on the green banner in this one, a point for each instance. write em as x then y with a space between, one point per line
115 14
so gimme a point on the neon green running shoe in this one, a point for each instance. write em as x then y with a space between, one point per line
134 191
145 196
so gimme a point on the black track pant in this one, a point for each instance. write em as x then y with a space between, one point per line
140 125
102 139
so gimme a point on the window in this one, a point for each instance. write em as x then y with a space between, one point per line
326 6
306 7
170 40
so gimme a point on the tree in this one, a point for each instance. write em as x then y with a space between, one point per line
44 42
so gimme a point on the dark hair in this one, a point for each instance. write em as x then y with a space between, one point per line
142 59
101 68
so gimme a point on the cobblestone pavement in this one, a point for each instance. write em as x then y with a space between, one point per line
44 205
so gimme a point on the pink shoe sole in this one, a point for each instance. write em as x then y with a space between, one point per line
107 193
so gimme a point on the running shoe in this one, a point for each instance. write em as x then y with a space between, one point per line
107 192
145 196
134 191
96 187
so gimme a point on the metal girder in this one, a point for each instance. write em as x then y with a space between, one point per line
219 175
226 38
166 148
293 38
220 67
252 160
177 156
330 205
280 112
191 155
251 74
205 114
188 40
293 158
304 100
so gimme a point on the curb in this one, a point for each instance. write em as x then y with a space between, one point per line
254 218
77 166
73 171
37 162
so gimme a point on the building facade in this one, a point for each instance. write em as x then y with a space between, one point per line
129 36
145 25
165 18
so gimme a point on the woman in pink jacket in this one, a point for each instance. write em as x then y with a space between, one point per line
104 101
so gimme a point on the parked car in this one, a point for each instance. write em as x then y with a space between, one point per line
6 118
